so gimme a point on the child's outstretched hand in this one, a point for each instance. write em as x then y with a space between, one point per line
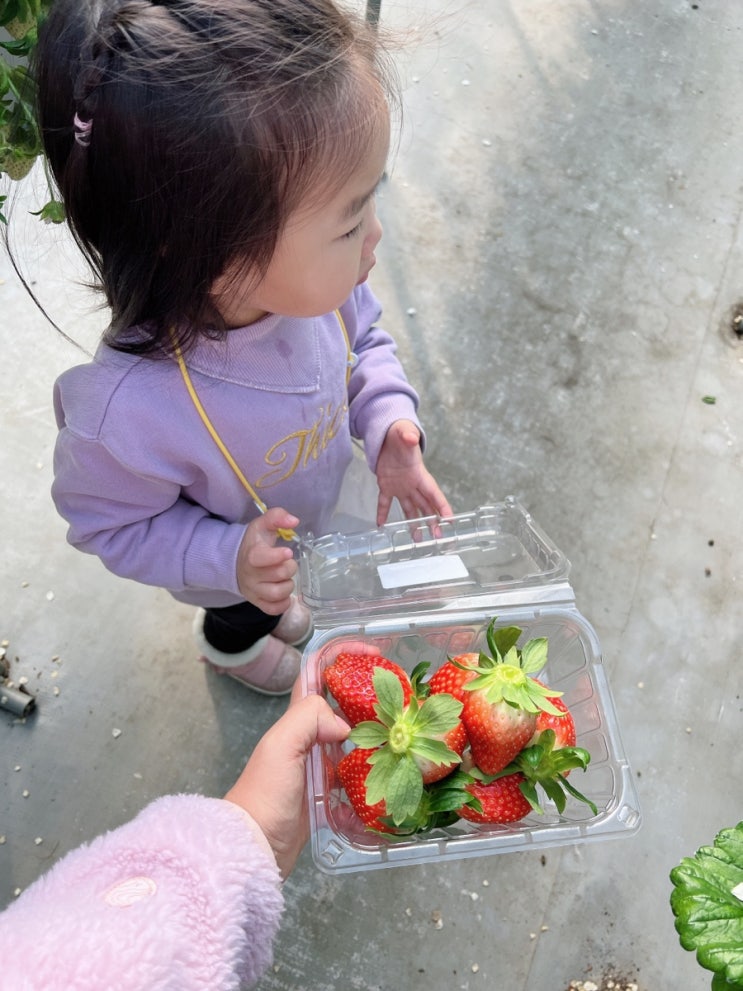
272 788
265 570
401 474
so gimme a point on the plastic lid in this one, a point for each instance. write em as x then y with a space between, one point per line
492 551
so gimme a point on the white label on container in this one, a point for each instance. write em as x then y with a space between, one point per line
424 571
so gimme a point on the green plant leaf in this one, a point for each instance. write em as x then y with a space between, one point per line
501 641
707 902
529 791
438 714
434 750
383 763
369 734
52 212
534 655
389 694
404 790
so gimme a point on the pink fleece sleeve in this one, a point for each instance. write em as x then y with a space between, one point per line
184 896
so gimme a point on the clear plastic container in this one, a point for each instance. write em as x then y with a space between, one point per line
427 590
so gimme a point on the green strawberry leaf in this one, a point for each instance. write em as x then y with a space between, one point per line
501 641
529 791
450 794
417 675
579 795
534 655
553 790
434 750
720 984
369 734
390 698
438 714
383 764
404 790
707 902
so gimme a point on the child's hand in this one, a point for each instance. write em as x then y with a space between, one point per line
401 474
272 788
265 571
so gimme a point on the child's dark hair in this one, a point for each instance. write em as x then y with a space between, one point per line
182 134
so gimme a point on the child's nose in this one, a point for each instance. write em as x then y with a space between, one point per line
374 236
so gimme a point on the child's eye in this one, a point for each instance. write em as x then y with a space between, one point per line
355 230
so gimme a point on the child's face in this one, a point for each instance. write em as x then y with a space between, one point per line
326 248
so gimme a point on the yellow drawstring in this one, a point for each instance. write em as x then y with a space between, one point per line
284 532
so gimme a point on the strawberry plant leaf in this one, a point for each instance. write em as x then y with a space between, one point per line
451 794
580 796
501 641
529 791
404 790
369 734
416 678
513 657
438 714
707 903
390 698
383 763
434 750
534 655
554 791
720 984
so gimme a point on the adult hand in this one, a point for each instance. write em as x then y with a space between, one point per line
272 788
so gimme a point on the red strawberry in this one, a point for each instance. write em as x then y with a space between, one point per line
414 742
349 680
563 725
353 771
512 794
497 731
455 740
450 677
502 702
501 800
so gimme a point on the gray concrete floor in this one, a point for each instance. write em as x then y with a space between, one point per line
564 219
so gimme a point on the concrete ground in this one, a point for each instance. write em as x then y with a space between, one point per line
562 267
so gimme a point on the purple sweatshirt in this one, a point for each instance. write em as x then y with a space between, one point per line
144 486
186 896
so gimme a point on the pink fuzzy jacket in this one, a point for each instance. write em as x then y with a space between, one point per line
185 897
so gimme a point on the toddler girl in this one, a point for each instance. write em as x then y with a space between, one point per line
218 160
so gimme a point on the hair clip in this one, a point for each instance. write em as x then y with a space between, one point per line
83 129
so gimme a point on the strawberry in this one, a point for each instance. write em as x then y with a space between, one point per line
349 680
563 725
415 742
451 676
455 738
440 804
502 702
353 771
500 801
512 794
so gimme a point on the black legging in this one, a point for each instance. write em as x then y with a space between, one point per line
233 629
